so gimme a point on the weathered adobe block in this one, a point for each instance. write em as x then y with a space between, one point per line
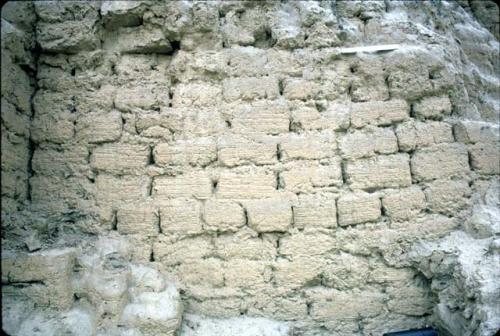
345 271
112 189
137 218
335 117
432 108
363 143
250 88
196 94
235 150
485 158
416 134
416 301
247 274
13 120
476 131
308 146
309 243
15 153
57 128
316 210
202 273
223 216
379 113
149 96
180 216
307 177
300 89
188 250
448 196
51 269
404 204
195 152
57 162
254 184
328 304
269 215
297 273
120 158
269 117
140 39
383 171
244 245
99 127
195 184
431 226
358 208
442 160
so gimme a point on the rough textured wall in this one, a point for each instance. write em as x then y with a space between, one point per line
240 149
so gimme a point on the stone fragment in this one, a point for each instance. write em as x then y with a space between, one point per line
416 134
404 204
269 215
383 171
432 107
380 113
356 208
442 160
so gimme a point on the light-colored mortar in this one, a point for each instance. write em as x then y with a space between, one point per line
238 150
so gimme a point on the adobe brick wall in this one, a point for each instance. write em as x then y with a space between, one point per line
240 151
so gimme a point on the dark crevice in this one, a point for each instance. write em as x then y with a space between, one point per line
152 256
245 213
150 187
281 86
343 172
278 152
151 158
214 186
176 46
114 221
160 231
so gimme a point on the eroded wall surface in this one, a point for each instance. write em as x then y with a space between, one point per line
239 148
